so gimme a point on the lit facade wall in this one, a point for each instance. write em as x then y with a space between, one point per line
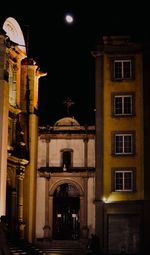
52 143
19 79
3 144
119 186
130 123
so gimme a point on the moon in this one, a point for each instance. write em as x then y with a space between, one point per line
69 18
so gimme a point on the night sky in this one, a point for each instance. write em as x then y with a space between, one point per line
64 51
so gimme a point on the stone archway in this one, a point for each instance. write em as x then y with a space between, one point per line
66 208
75 202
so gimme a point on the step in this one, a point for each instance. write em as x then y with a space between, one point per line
74 247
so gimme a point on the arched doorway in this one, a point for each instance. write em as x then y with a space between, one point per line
66 205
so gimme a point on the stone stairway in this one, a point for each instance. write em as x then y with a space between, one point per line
20 247
65 247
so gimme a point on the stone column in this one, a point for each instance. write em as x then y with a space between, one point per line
86 152
4 110
82 220
46 227
47 150
83 208
11 196
99 223
50 214
21 223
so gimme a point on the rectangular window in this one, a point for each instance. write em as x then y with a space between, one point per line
123 105
123 143
123 180
122 69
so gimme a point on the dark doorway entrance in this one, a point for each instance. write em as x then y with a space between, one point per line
66 205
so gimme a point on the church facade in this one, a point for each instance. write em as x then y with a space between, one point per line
65 181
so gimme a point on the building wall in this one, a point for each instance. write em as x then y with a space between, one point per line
91 153
44 201
116 209
133 123
3 144
91 206
41 152
55 147
19 79
50 148
40 208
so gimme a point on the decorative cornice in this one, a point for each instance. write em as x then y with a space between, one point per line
17 161
14 110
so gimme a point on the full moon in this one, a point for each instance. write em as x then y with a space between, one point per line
69 18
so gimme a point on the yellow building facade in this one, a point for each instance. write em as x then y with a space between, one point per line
119 144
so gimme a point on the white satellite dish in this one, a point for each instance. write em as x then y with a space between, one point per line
13 31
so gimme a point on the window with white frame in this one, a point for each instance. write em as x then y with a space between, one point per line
123 143
122 69
123 105
123 180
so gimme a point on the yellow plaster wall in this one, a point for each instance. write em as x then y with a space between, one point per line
134 123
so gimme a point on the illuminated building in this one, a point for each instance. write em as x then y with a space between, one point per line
19 77
121 194
65 181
